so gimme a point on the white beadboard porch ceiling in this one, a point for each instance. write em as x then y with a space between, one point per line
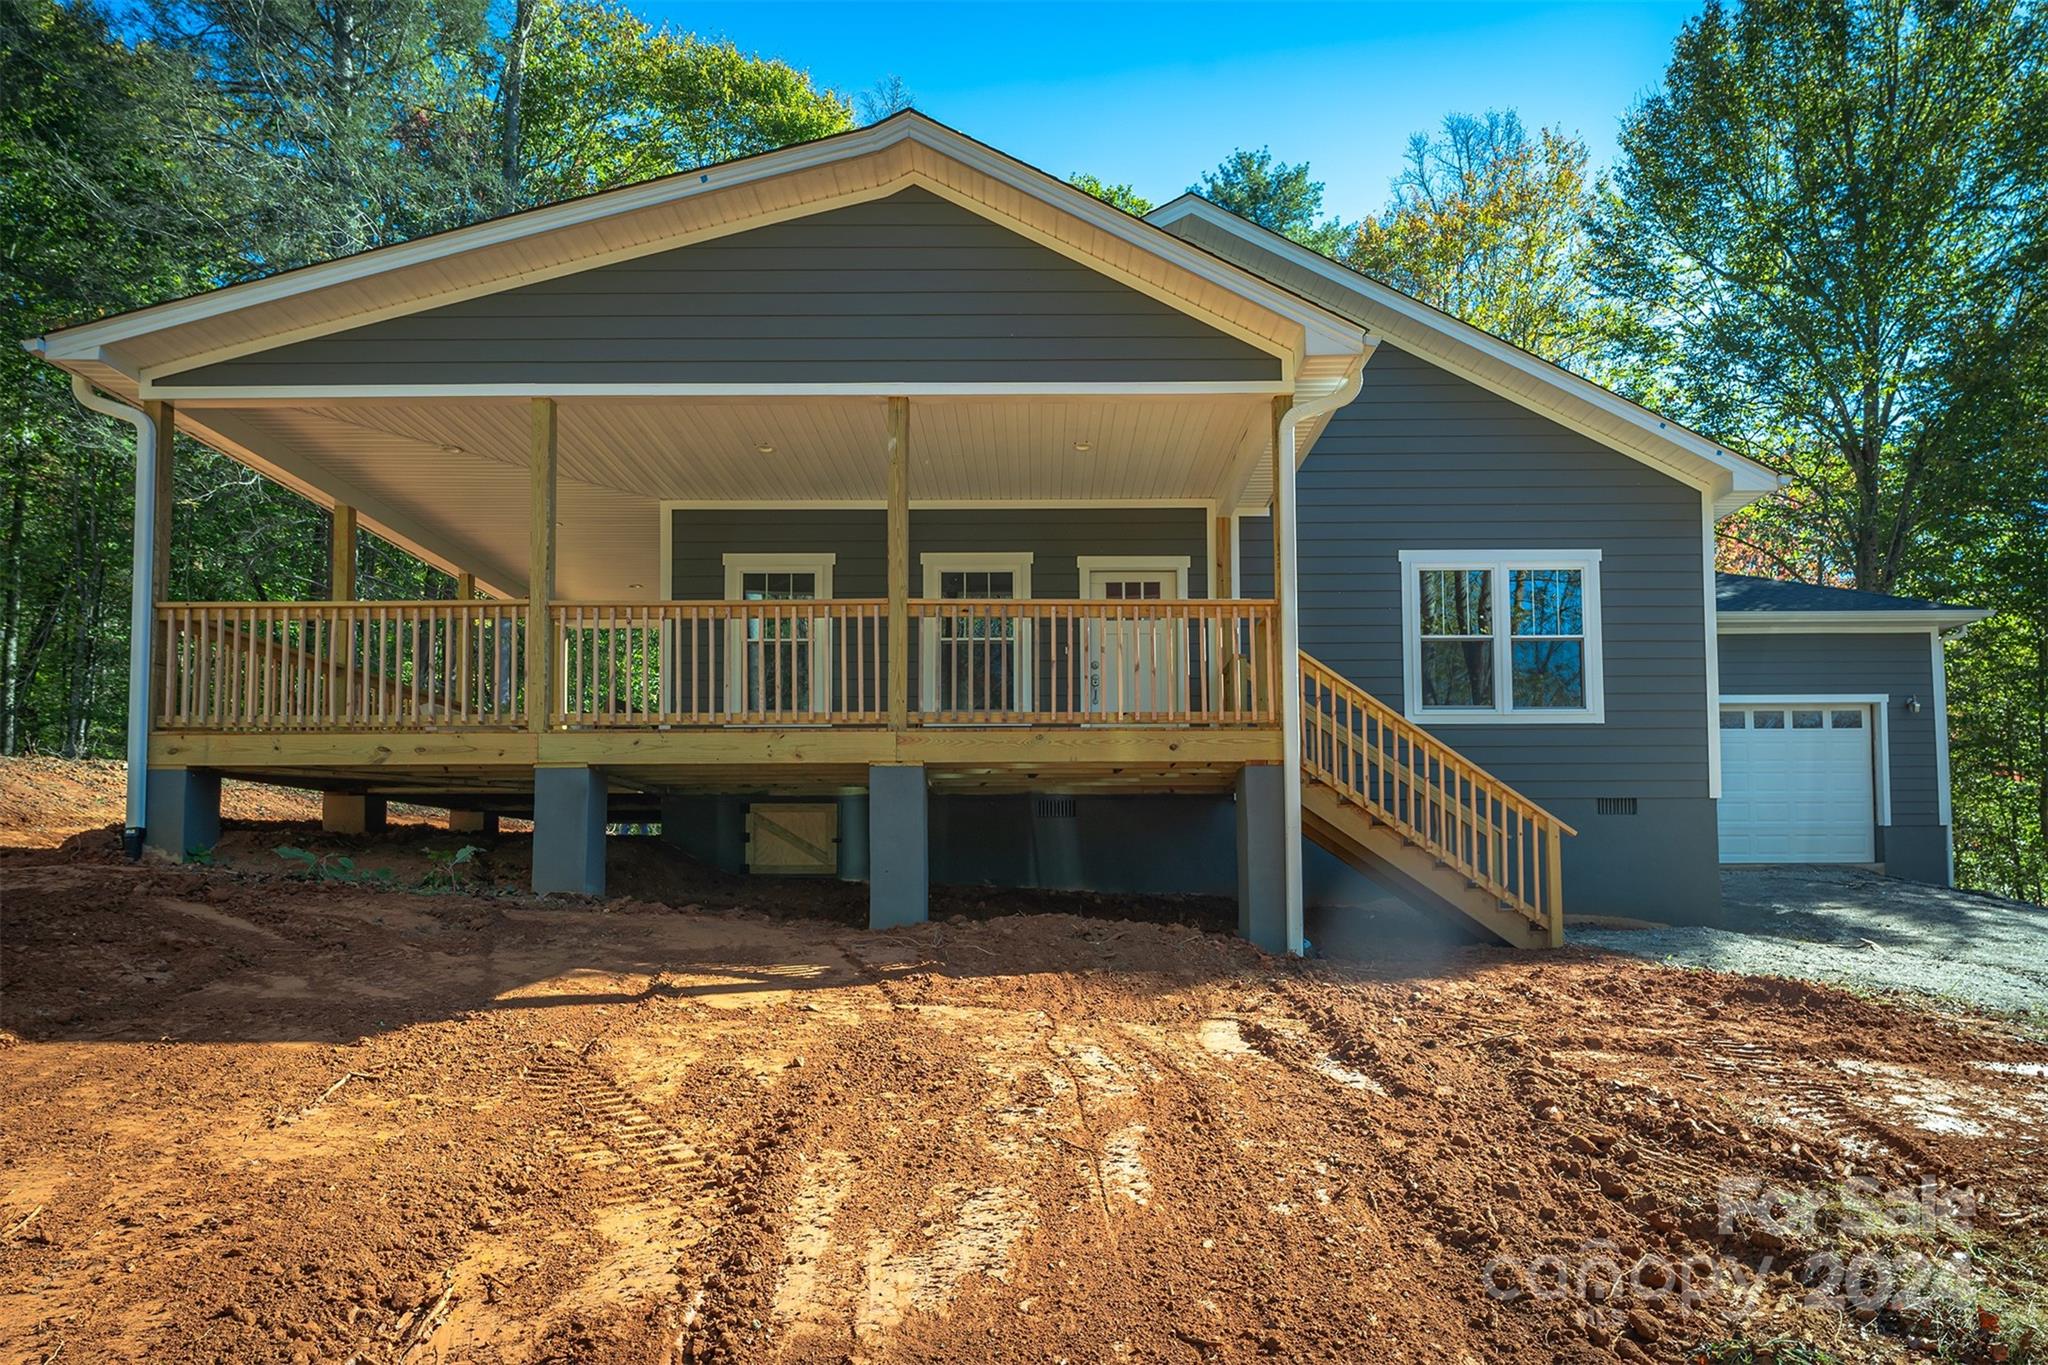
449 476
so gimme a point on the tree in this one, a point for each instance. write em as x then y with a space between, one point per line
1119 196
888 96
1488 224
608 100
1274 195
1830 219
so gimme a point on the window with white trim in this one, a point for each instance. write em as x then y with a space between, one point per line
1501 635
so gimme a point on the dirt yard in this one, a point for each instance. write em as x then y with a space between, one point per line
291 1110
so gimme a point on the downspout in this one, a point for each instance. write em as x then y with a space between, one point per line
141 605
1286 587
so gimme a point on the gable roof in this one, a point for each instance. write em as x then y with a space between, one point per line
1746 604
1476 355
128 353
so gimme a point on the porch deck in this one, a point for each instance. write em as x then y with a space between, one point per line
443 699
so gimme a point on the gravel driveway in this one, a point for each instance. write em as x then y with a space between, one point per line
1854 928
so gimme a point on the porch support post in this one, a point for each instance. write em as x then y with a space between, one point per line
569 812
351 813
853 837
184 811
1287 596
540 586
899 846
1226 556
166 422
472 822
899 563
341 555
1261 860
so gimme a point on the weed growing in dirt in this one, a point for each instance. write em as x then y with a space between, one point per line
451 870
333 868
1780 1351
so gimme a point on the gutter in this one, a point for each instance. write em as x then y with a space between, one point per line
141 604
1287 588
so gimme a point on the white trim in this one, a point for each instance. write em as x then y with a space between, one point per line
738 564
1208 551
1177 565
1848 622
1732 475
1500 563
1877 703
891 388
921 505
1014 562
1713 643
665 574
1236 555
1323 330
1944 798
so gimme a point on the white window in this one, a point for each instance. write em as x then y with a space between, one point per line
776 658
976 662
1501 635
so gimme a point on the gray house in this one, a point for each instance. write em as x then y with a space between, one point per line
882 507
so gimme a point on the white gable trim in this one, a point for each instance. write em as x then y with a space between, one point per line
1322 331
1666 446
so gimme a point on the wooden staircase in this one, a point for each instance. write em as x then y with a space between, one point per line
1391 800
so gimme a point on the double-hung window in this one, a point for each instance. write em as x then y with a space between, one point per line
1501 635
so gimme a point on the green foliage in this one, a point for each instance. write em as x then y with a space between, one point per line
1118 196
608 100
1827 229
333 867
1274 195
1488 224
451 868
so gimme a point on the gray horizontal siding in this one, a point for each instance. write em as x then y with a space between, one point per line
1424 460
907 287
1897 666
1054 536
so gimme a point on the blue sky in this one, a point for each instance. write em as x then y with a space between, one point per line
1156 93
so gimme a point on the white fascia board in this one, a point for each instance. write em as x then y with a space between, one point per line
1847 622
1735 480
903 388
1325 331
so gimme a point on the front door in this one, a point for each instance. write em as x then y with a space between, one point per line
1135 661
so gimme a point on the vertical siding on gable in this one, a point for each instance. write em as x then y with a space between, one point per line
1424 460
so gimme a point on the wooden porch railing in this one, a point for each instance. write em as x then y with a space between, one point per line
721 663
1407 779
339 665
1044 662
439 665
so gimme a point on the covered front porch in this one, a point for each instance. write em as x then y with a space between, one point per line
664 646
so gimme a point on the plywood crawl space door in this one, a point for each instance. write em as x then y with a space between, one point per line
793 840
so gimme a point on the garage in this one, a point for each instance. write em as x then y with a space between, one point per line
1798 782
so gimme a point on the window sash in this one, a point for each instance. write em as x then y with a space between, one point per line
1505 637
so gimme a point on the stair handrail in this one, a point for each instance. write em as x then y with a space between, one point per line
1432 796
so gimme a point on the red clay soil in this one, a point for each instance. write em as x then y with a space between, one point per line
250 1117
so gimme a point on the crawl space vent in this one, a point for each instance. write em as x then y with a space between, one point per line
1052 807
1614 805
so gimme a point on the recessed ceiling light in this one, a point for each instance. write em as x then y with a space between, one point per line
636 585
765 448
1084 446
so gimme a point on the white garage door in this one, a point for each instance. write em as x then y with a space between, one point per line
1796 784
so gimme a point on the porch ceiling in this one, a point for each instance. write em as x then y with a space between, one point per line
448 476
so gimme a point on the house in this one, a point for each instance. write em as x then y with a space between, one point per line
882 506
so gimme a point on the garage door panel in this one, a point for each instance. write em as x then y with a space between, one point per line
1798 788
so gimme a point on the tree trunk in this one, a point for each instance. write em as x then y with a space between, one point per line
511 89
10 607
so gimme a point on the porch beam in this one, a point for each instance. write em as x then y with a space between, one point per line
540 587
899 563
341 554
